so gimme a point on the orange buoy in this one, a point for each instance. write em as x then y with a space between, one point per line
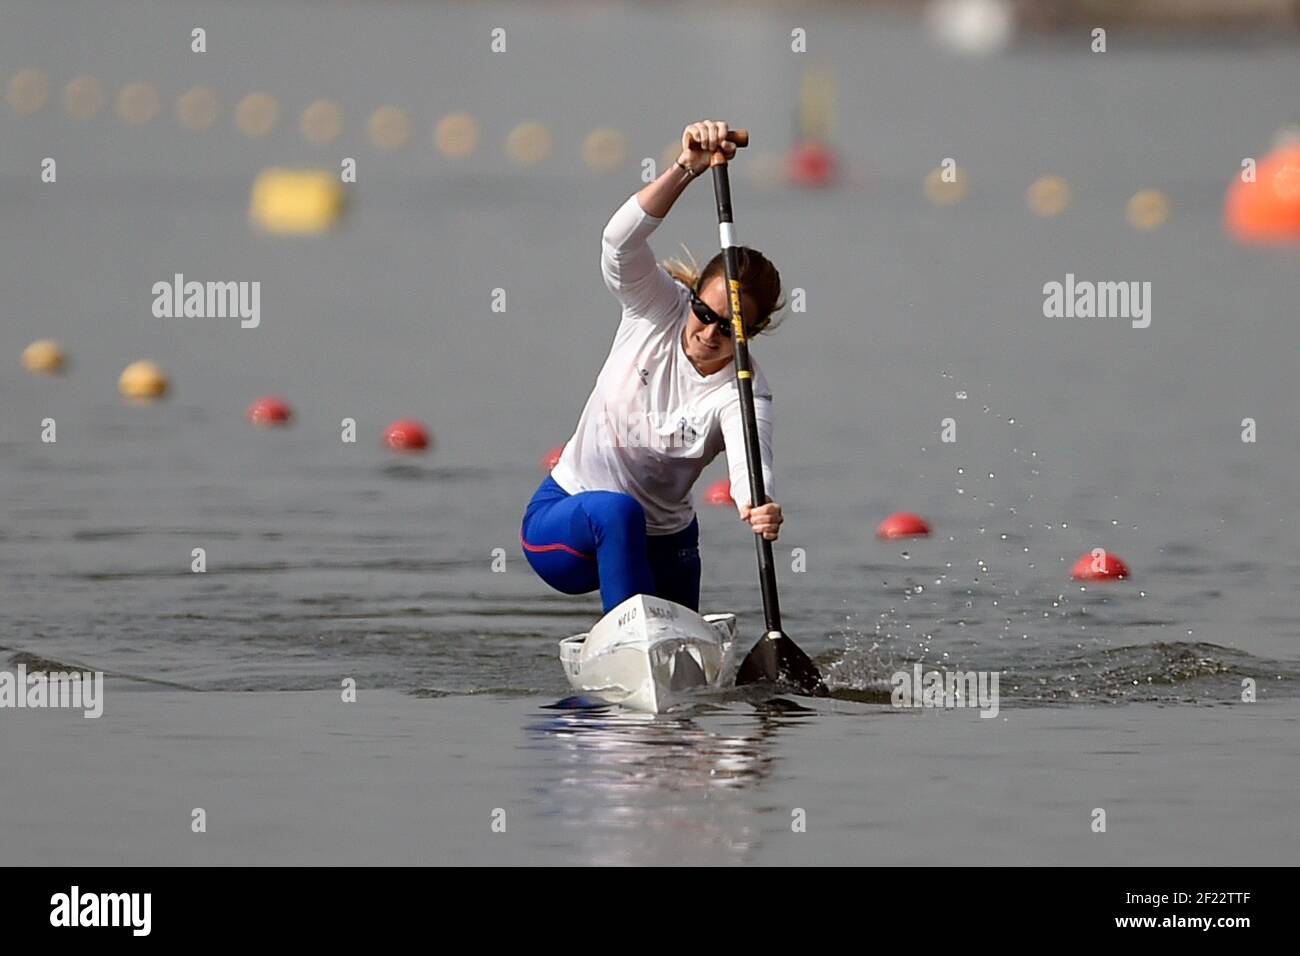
903 524
1268 209
550 459
810 163
270 411
406 435
1099 565
719 493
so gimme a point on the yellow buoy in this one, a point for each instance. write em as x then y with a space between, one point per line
456 135
83 97
142 380
321 122
946 185
28 90
137 104
389 128
198 108
1148 209
257 114
43 357
296 201
604 150
1049 196
528 143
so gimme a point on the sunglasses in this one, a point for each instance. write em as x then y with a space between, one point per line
708 317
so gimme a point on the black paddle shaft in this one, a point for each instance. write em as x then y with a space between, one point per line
745 385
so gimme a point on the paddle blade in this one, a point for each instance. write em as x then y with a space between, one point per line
776 659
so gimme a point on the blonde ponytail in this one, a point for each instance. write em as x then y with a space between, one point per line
685 272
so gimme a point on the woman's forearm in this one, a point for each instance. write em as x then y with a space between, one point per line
657 198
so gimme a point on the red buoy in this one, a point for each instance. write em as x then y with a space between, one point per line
903 524
719 493
810 163
1267 208
552 457
406 435
1099 565
269 411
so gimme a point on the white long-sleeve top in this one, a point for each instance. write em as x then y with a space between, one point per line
653 423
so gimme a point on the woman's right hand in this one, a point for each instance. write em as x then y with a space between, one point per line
701 140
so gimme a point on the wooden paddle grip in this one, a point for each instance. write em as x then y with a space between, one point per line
738 136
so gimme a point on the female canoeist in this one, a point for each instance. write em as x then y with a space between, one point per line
616 511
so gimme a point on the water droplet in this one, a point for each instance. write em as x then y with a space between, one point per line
960 396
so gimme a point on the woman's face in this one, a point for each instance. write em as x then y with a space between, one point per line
705 345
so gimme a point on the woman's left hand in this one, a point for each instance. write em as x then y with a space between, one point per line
765 519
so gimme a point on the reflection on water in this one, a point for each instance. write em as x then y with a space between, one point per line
645 789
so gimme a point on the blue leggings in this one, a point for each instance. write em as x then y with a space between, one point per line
597 539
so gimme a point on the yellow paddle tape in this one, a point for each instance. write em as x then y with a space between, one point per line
737 323
744 375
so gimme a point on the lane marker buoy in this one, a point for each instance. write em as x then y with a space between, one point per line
1266 210
198 109
903 524
719 493
1148 209
269 410
456 135
43 357
1099 565
143 380
1049 196
83 97
406 435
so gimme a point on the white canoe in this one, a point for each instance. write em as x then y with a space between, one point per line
648 654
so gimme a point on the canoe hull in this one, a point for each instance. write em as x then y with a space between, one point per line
649 654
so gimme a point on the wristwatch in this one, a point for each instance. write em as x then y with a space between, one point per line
690 173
